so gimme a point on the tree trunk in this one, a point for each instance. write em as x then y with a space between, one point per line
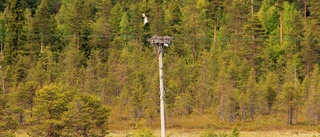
243 110
252 111
236 32
195 41
222 103
20 118
281 23
290 115
41 43
252 7
305 17
215 23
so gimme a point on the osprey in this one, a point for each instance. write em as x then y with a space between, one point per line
145 20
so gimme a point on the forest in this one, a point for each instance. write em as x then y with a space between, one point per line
83 67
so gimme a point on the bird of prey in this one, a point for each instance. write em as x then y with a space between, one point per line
145 20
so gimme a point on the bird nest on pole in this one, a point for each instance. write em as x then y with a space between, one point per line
161 40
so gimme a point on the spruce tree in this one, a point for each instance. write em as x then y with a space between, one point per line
124 30
43 24
101 30
14 29
312 97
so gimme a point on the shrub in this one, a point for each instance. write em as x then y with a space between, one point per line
144 132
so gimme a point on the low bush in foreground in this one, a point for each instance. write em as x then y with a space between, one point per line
212 133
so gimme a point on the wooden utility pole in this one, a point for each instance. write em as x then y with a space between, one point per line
161 41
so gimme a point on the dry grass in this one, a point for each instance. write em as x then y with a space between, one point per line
21 135
278 134
196 133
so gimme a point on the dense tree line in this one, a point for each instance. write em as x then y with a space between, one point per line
63 62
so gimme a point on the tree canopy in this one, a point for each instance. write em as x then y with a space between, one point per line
64 63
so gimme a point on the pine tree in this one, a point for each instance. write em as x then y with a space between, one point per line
236 14
24 99
313 95
213 11
310 44
72 65
173 21
50 103
155 11
63 111
227 102
252 43
114 20
203 82
2 33
94 74
101 32
292 30
125 30
43 24
252 95
14 30
193 24
280 6
8 124
85 115
270 90
269 16
290 96
135 22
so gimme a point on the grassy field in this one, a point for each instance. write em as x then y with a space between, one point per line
197 133
194 126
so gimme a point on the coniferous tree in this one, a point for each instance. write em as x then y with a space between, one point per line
50 103
14 29
312 97
269 16
8 124
85 115
101 30
2 32
124 30
252 95
236 14
290 95
252 42
43 25
270 90
114 21
310 44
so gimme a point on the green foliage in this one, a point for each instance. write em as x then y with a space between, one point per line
59 108
144 132
235 132
269 16
14 29
225 62
8 124
212 133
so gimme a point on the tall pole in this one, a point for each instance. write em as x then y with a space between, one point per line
163 123
161 41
